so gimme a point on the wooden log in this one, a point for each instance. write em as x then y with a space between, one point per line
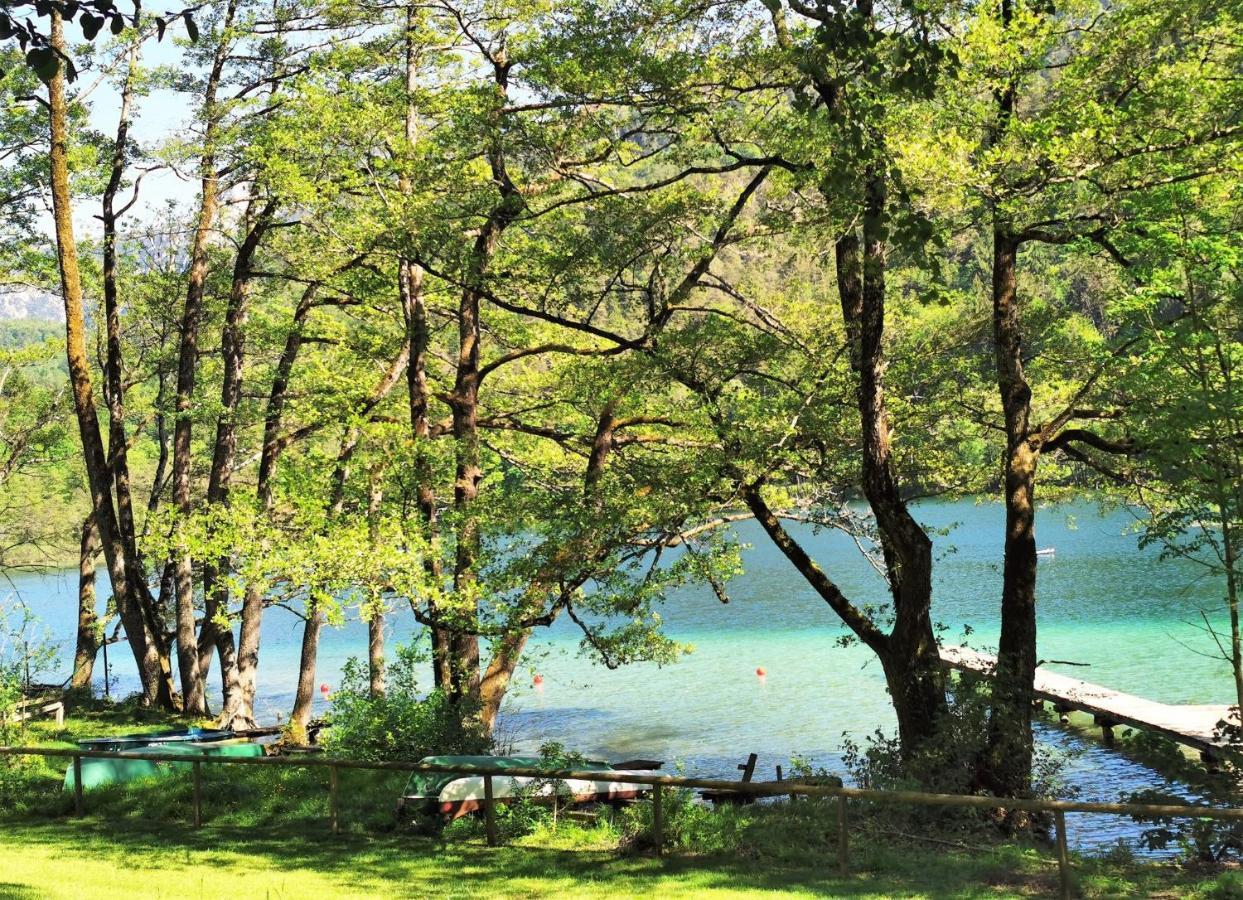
198 795
489 811
77 786
748 768
1063 858
843 846
658 820
1107 725
334 784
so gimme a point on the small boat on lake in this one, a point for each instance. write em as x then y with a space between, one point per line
452 795
1047 552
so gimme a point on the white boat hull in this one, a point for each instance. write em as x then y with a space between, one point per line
466 795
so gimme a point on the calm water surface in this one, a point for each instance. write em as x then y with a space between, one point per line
1130 616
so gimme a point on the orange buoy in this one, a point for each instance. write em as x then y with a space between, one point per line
761 672
539 679
323 689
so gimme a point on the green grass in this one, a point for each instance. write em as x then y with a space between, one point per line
95 857
267 835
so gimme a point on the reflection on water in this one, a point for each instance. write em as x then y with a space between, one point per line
1103 602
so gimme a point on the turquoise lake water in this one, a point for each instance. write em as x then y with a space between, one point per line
1129 615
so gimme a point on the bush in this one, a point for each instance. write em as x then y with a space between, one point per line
401 724
947 764
1206 840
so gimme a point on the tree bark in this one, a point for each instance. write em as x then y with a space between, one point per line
98 470
464 405
249 632
195 701
87 638
212 637
375 622
315 619
910 658
414 308
1009 754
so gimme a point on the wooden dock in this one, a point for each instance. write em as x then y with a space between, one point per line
1198 727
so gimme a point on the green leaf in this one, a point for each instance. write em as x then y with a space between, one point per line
90 25
44 62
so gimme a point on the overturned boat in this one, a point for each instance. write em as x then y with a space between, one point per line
452 795
98 771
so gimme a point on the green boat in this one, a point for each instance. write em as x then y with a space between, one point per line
100 771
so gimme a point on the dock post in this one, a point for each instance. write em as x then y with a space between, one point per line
843 846
489 811
198 794
1063 862
658 820
334 779
77 786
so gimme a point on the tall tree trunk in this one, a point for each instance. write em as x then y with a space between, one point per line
507 652
212 636
1009 754
315 619
464 406
195 700
464 643
88 640
910 658
98 470
375 622
414 308
250 630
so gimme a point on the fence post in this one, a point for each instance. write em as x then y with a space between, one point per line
1063 862
489 812
198 795
77 786
843 847
333 784
658 819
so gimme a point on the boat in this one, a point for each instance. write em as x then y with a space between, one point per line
98 771
452 796
118 742
1046 551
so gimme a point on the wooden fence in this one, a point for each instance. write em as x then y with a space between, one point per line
1059 808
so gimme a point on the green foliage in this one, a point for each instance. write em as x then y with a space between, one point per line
26 652
1206 840
402 723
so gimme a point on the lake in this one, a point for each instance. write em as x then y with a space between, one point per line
1129 616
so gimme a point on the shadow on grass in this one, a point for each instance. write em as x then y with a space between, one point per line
411 865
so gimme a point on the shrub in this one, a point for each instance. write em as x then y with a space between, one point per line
402 723
1207 840
949 764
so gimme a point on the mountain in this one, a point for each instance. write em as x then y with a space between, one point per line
30 303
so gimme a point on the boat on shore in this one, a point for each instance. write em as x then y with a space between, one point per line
120 742
98 771
451 796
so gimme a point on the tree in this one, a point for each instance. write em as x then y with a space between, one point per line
1189 478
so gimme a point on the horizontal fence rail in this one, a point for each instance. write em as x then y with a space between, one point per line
1059 808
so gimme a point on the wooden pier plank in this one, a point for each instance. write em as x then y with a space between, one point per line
1195 725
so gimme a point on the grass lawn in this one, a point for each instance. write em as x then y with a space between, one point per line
267 836
95 858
